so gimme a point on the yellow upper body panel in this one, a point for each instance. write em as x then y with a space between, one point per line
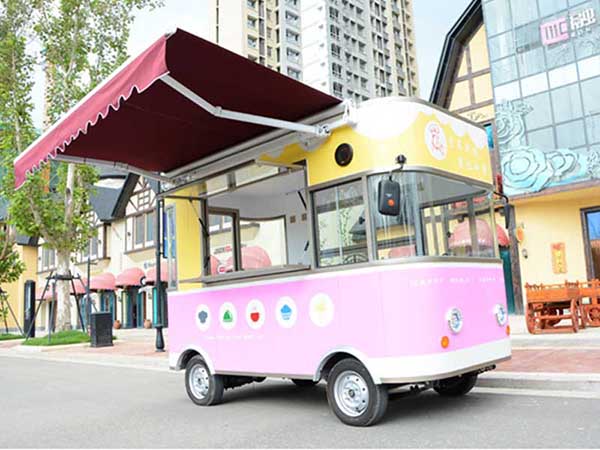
386 128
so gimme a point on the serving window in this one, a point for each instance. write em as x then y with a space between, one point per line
256 220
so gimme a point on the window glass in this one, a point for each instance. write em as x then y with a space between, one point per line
170 245
538 116
139 230
566 103
542 139
501 46
150 224
221 244
489 129
590 90
94 246
570 135
438 217
504 70
340 225
254 172
548 7
497 16
527 37
559 54
531 62
523 11
263 243
592 124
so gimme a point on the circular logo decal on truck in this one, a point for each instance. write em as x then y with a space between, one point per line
436 141
227 316
321 310
255 314
286 312
202 317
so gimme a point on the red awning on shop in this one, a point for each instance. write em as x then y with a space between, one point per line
166 107
103 282
503 240
151 273
130 277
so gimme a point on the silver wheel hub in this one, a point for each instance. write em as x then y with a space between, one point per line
351 393
199 381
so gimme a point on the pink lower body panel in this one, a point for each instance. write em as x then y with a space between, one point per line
391 317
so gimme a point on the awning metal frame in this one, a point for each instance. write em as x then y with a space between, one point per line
218 111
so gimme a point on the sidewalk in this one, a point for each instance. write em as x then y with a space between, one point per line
557 361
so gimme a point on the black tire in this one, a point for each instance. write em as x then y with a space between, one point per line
377 402
303 383
214 393
456 386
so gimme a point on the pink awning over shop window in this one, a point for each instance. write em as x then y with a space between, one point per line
461 235
130 277
103 282
152 113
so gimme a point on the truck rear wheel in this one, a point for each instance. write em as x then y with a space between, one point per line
353 396
456 386
202 387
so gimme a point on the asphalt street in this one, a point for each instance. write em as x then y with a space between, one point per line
58 404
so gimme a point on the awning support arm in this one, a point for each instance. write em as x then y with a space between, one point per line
217 111
117 165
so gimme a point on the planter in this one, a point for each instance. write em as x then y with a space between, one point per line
147 323
117 325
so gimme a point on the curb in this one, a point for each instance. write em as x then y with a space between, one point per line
545 381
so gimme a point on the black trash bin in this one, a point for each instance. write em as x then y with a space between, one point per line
101 329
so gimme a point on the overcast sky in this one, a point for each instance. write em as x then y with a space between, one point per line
433 19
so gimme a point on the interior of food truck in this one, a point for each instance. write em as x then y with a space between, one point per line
262 219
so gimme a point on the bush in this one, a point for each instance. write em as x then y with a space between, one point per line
8 337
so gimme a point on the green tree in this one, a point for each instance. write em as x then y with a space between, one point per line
82 41
16 128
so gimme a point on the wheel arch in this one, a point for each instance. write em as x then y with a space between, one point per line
332 357
189 353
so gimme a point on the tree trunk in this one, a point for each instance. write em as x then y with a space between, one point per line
63 293
63 259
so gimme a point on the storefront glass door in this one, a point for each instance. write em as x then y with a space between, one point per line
592 225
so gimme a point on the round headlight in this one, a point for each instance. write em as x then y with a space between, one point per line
501 315
455 320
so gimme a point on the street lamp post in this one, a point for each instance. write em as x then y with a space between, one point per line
160 341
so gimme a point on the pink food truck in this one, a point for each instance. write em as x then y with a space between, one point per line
312 239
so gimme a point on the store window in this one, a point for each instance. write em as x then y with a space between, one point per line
505 70
531 62
263 243
170 245
340 225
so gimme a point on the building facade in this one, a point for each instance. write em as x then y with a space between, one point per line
267 32
545 63
359 49
122 252
463 85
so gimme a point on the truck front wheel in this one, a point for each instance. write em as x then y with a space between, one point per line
353 396
202 387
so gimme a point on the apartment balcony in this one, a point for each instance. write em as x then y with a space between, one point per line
395 7
294 4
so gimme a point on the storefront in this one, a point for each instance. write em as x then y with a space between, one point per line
545 65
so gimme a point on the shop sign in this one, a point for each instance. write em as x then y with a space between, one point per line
564 28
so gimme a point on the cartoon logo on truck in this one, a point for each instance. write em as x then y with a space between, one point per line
436 141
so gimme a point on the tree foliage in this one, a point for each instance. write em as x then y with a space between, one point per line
81 41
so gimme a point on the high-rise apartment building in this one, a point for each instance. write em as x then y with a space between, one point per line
359 49
265 31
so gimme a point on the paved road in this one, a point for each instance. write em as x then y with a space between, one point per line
59 404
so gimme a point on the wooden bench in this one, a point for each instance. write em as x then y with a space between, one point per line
590 294
550 304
